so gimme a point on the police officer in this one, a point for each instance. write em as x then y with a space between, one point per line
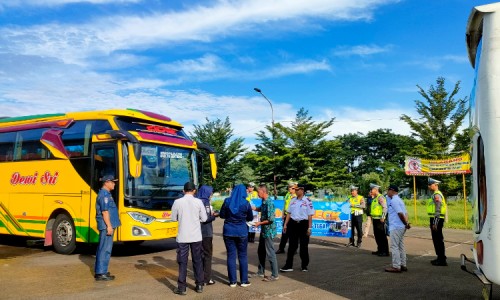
357 205
298 225
107 221
436 210
378 211
251 194
288 197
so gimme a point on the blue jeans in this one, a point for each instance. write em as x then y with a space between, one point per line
266 249
236 245
103 254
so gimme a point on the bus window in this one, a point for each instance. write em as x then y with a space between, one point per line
482 200
77 138
104 164
7 141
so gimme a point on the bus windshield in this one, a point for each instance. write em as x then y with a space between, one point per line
165 170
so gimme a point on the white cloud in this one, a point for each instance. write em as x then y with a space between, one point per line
74 43
352 120
361 50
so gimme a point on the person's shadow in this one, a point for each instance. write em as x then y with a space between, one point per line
162 270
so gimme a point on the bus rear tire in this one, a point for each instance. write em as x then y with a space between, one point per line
64 235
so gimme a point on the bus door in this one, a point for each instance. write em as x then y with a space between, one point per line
104 163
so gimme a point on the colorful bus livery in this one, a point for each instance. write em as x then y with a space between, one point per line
50 166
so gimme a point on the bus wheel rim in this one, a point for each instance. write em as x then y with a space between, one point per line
64 233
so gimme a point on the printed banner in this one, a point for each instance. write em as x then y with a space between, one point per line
425 167
330 218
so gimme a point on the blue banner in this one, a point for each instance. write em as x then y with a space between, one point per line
330 218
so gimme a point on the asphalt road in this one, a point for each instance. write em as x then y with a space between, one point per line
149 271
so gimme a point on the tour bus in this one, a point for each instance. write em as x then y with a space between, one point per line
483 46
51 166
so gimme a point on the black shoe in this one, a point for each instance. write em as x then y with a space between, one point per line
375 252
104 277
178 291
280 251
199 288
349 244
439 263
358 245
404 269
383 254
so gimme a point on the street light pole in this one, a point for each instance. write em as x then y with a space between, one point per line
272 145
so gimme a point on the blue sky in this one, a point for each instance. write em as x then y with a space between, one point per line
356 60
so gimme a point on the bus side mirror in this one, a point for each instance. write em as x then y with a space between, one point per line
53 141
134 159
213 165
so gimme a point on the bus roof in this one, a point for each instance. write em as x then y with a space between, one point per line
474 29
84 115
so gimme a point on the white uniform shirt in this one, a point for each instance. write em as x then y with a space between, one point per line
300 209
189 212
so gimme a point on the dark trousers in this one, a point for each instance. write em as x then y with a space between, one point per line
356 223
182 260
236 246
297 233
284 240
251 237
103 254
438 239
380 236
207 258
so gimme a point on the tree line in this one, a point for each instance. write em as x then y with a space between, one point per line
301 151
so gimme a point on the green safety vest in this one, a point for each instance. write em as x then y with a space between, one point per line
288 197
356 201
376 210
431 206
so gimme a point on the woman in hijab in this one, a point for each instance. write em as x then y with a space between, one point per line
236 211
205 193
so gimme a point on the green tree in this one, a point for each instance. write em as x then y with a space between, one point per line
219 135
441 116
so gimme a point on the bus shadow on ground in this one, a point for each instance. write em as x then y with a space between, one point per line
356 273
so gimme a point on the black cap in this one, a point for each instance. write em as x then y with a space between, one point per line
189 187
300 187
393 187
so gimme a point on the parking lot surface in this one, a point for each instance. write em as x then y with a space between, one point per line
149 271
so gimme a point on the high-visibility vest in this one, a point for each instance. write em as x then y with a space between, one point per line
376 210
356 201
431 206
252 195
288 197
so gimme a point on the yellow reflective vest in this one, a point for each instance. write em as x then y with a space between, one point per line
431 206
356 201
377 210
288 197
252 195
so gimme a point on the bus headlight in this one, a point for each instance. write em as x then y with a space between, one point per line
140 217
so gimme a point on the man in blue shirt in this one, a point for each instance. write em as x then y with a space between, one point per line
397 227
107 221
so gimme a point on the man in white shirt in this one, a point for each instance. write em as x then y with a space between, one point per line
398 224
299 223
189 212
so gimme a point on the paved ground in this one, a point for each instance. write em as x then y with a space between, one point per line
149 271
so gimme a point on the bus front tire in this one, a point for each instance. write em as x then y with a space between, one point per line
64 235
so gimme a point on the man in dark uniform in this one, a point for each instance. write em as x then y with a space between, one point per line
436 210
107 220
